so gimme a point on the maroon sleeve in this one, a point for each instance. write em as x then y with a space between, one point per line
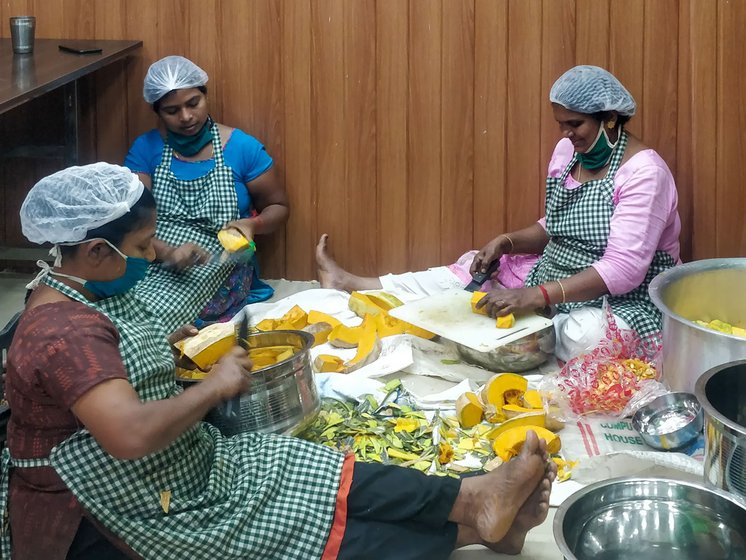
80 350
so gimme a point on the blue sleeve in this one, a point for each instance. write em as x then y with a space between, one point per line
145 153
247 156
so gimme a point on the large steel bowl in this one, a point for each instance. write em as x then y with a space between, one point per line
722 392
518 356
282 398
700 290
649 518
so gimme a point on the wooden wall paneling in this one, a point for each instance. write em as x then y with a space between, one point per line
111 20
360 133
11 8
626 43
300 232
264 115
172 20
78 19
661 83
392 76
557 56
141 23
490 115
50 18
525 182
457 125
327 126
592 32
203 47
424 109
731 195
697 159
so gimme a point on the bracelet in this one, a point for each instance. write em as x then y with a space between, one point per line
563 290
545 294
512 246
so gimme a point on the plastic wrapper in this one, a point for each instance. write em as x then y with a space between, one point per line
614 379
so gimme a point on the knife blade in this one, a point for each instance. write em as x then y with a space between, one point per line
478 278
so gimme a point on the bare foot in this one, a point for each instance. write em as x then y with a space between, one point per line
331 275
490 503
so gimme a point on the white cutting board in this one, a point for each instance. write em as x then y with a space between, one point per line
449 315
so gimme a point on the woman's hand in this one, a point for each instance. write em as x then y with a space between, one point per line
178 335
490 253
231 375
501 302
185 255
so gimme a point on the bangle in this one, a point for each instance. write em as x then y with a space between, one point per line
512 246
545 294
563 290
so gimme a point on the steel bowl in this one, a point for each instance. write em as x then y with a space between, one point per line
669 422
520 355
649 518
700 290
282 398
722 392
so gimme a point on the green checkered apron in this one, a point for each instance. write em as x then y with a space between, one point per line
247 496
189 212
578 222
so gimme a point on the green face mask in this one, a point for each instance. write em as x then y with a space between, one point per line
191 145
599 154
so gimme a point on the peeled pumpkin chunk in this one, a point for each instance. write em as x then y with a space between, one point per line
209 345
504 388
232 240
328 363
368 349
267 325
362 305
532 399
476 298
320 317
343 336
386 325
508 444
296 317
320 332
534 419
270 355
505 322
469 410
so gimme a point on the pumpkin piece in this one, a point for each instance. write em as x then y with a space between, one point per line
362 305
260 362
469 410
504 388
368 348
343 336
195 374
386 325
513 410
738 331
475 298
409 328
384 300
209 345
232 240
284 355
508 444
319 317
534 419
328 363
532 399
296 317
505 322
267 325
320 332
284 326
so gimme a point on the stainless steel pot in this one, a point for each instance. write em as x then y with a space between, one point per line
282 398
722 394
700 290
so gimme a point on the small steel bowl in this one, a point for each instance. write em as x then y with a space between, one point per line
670 422
646 518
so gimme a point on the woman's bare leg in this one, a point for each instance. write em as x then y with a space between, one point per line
490 503
331 275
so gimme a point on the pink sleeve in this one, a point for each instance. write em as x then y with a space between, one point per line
644 220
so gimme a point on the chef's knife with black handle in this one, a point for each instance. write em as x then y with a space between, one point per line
478 278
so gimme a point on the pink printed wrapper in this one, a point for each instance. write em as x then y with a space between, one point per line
511 273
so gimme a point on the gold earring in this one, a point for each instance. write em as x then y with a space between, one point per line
610 124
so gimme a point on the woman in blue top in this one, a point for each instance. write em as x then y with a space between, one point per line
205 176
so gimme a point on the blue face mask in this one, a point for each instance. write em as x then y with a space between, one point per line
134 271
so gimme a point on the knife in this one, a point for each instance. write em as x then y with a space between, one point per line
231 409
478 278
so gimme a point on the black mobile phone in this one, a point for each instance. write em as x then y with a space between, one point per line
80 48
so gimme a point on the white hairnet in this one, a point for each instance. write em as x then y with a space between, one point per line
590 89
65 206
170 73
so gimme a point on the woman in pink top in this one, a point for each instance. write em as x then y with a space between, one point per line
611 225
